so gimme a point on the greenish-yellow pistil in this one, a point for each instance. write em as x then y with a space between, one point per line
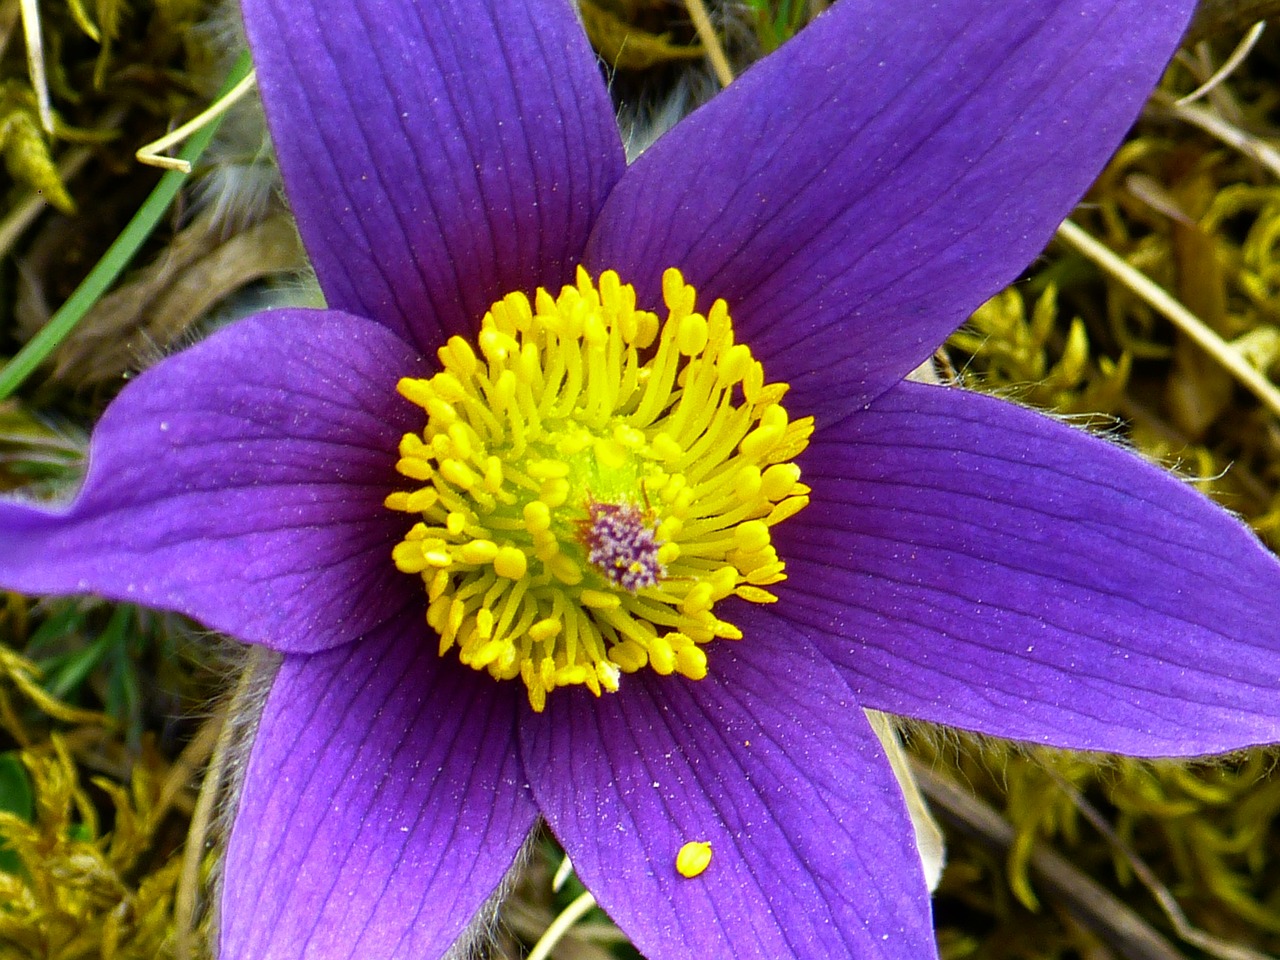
593 483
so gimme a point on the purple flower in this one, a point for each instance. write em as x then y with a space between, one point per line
851 198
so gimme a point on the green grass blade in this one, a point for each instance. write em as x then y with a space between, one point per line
117 257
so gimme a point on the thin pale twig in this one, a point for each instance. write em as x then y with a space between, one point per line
710 41
561 925
187 894
1238 55
1211 123
153 153
35 61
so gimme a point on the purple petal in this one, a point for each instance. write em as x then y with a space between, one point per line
973 563
858 193
241 482
437 155
770 760
382 805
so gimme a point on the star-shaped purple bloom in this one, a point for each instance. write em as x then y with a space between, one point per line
853 197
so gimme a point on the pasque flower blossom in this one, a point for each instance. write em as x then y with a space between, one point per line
631 553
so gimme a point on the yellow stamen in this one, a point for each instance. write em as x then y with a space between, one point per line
593 482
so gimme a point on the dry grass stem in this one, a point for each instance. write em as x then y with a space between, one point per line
1186 321
711 41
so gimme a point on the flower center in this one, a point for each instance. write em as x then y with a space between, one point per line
593 484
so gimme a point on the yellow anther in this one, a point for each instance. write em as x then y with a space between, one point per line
415 390
693 859
495 345
610 454
554 492
629 655
437 585
678 296
458 473
726 631
698 599
565 570
492 474
751 535
594 330
591 481
441 411
537 696
461 434
511 563
691 662
692 335
458 355
748 483
734 364
488 653
787 509
661 657
446 385
545 630
669 529
666 448
408 557
779 480
537 516
478 551
415 469
646 330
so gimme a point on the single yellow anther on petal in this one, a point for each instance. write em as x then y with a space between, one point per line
693 858
591 481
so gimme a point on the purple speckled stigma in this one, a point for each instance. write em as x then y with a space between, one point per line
621 540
